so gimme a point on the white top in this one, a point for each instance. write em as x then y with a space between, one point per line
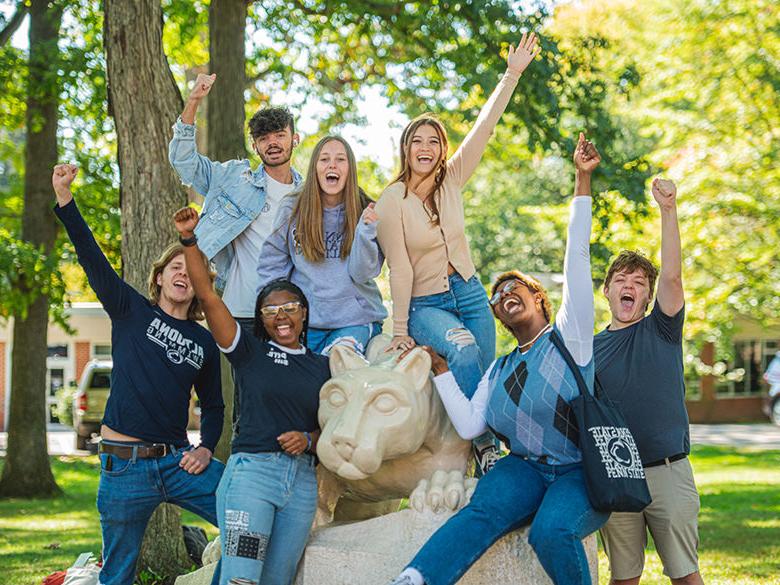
574 321
241 285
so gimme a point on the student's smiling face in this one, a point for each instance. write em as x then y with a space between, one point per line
628 293
174 282
284 325
332 167
425 150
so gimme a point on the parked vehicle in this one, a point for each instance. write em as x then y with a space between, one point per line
89 403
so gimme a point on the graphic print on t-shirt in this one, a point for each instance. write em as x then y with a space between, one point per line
178 348
279 357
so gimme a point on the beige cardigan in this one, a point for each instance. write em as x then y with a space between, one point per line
418 251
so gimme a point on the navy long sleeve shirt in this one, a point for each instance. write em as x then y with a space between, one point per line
157 358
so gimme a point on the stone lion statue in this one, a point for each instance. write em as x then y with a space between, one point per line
386 435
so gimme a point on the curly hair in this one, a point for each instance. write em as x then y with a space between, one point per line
270 119
530 283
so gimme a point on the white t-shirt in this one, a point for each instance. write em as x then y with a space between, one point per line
241 286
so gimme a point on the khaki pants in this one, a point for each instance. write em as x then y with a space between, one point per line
672 519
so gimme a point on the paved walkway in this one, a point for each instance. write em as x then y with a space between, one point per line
62 439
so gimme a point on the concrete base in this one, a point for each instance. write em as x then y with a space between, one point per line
373 552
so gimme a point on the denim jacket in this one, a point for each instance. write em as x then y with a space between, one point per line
234 196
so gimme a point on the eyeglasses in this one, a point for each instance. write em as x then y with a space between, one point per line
508 287
271 311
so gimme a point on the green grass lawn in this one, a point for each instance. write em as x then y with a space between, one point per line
739 522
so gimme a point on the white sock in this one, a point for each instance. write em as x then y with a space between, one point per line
413 575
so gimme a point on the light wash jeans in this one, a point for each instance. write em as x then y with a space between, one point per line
353 336
265 505
129 493
517 492
458 325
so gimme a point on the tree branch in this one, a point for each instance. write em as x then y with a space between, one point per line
13 24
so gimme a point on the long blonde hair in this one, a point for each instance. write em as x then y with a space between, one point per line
308 213
439 172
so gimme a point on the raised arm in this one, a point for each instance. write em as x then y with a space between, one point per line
465 160
114 293
193 168
365 258
221 323
670 289
575 317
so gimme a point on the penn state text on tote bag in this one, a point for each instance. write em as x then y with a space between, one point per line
614 476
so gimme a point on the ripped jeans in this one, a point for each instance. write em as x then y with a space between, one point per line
354 336
265 507
458 325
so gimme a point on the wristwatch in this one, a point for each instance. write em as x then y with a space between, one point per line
191 241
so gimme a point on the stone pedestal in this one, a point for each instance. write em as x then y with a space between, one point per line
373 552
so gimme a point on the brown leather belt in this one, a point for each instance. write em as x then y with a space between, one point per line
142 450
665 460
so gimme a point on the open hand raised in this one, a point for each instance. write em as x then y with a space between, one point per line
517 59
664 192
202 86
61 180
185 220
586 157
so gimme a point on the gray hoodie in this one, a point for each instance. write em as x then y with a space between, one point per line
341 293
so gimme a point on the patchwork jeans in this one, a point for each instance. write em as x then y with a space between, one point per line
517 492
265 505
128 493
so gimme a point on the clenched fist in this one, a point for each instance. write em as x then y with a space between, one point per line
202 86
665 193
185 221
61 180
586 157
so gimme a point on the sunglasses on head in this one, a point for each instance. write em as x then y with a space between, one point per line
507 287
271 311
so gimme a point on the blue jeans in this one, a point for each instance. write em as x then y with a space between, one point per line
515 493
130 491
458 325
354 336
265 504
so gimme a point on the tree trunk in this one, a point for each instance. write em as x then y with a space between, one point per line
144 102
226 115
27 472
225 122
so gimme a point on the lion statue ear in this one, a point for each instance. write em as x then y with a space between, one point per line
416 365
342 358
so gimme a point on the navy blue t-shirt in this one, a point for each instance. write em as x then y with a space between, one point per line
279 392
157 358
640 368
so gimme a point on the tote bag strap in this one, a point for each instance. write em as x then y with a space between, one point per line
566 354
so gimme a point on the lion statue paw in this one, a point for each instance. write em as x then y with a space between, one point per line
444 492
